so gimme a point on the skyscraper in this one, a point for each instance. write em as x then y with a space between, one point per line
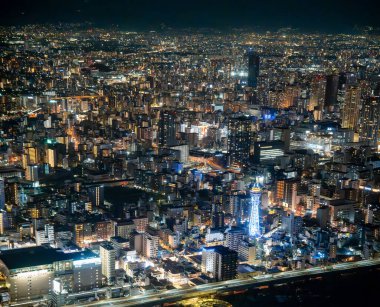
253 68
107 256
254 218
220 261
2 194
332 82
166 129
317 93
240 140
369 121
96 195
351 108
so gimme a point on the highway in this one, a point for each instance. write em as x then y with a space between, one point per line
229 285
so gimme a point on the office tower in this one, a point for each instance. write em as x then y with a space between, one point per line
254 218
253 68
332 82
240 140
369 121
167 129
220 261
107 256
233 238
31 173
351 108
2 194
96 195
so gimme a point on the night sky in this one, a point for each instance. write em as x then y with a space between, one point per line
307 15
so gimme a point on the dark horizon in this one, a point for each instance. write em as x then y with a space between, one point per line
306 16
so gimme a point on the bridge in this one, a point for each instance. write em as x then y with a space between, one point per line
174 295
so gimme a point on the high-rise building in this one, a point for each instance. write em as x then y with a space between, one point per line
351 108
254 218
332 82
253 68
96 195
167 129
247 252
220 261
11 192
45 235
286 192
31 173
292 224
323 218
51 157
2 194
233 238
107 256
317 93
217 216
240 140
150 245
369 122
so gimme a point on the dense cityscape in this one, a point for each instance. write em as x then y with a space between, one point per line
159 165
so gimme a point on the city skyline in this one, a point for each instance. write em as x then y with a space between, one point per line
197 154
315 16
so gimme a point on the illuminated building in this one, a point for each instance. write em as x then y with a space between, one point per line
30 271
233 237
220 261
267 152
31 173
2 194
51 157
317 93
82 233
369 121
351 108
11 192
107 256
96 195
254 217
240 140
150 245
167 129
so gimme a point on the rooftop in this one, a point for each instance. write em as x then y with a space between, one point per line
39 255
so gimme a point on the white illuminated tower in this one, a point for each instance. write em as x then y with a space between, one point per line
254 219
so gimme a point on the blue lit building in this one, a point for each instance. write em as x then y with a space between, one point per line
254 217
